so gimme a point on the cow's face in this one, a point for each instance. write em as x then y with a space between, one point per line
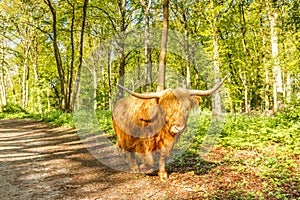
176 104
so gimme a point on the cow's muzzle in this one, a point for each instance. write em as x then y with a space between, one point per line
175 129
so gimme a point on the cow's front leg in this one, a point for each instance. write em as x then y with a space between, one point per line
148 162
162 168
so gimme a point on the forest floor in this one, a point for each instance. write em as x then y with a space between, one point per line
38 161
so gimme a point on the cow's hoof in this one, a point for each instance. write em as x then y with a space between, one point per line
147 169
163 176
135 169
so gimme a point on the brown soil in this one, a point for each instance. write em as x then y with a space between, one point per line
42 162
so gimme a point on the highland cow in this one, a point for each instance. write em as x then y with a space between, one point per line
152 122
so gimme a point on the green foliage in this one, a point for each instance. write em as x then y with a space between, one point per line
240 29
56 118
105 121
291 112
247 131
12 108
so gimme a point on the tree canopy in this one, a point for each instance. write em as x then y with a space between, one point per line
43 45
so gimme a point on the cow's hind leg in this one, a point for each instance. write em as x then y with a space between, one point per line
132 162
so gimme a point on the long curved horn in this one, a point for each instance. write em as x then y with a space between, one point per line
142 96
208 92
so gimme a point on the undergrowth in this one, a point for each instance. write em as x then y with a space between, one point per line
55 118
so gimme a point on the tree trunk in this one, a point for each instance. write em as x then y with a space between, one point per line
68 103
148 61
187 52
95 72
277 84
27 88
48 100
217 96
217 109
245 51
39 103
2 80
164 40
267 79
10 81
288 87
184 21
109 78
122 12
59 65
36 77
2 88
121 69
25 77
77 82
95 80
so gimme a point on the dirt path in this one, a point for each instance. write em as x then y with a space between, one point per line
41 162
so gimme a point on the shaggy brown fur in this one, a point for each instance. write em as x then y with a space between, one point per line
145 126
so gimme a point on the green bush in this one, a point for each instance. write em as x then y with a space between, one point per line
105 121
13 108
247 131
290 113
56 118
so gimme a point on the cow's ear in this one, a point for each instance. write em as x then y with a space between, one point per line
197 99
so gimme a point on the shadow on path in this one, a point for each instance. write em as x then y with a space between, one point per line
41 162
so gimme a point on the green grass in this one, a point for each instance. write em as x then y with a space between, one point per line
55 118
242 131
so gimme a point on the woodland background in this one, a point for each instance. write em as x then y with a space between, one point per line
44 43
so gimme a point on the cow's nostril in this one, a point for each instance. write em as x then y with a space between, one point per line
180 128
177 128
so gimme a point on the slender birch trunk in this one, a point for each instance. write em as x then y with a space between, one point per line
109 78
217 96
25 77
277 83
288 87
95 81
163 52
267 79
122 12
2 87
36 77
2 80
217 109
187 51
148 62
